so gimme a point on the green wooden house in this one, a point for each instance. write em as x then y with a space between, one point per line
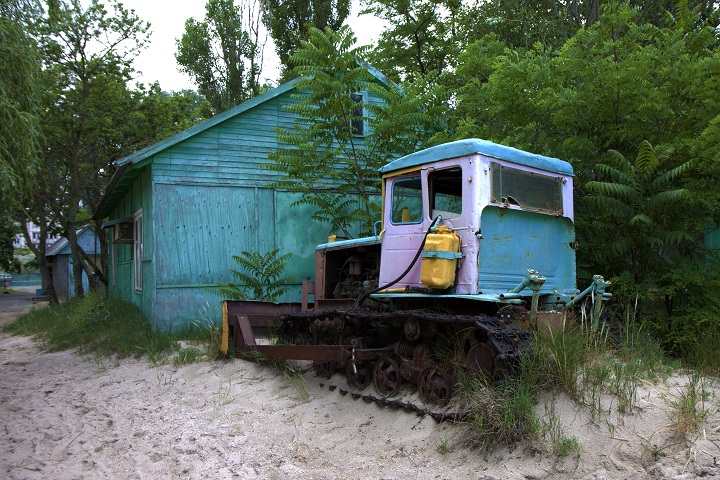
179 210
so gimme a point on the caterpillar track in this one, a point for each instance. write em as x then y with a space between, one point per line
391 349
406 406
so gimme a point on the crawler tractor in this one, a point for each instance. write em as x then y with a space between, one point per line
475 249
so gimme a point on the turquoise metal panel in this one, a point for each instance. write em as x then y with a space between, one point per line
462 148
196 239
355 242
514 241
143 199
199 228
177 308
265 226
298 234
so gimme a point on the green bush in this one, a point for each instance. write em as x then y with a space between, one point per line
94 325
261 279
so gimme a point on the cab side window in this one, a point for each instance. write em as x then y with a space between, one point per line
406 201
446 192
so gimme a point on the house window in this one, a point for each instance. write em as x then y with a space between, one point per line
138 248
357 122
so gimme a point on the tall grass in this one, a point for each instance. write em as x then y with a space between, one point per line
599 369
95 325
110 327
703 351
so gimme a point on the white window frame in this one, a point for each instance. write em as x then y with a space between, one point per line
138 249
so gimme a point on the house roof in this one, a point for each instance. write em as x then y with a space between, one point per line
472 146
61 243
129 168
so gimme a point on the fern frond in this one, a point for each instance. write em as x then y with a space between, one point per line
612 189
614 173
646 160
671 175
641 219
668 197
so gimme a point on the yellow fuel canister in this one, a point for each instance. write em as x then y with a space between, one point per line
440 257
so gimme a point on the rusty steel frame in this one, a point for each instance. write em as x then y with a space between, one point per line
241 321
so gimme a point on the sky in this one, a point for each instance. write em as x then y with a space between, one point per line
167 23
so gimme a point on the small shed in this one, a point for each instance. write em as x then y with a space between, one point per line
61 265
181 208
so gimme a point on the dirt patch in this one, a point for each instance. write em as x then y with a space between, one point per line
64 416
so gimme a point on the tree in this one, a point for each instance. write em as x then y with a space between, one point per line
289 23
20 132
87 55
524 23
425 36
618 89
639 209
160 114
223 55
611 86
7 237
328 159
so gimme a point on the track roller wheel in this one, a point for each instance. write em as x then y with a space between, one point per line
386 377
482 357
435 386
324 369
359 374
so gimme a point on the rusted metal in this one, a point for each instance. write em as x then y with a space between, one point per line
435 386
386 377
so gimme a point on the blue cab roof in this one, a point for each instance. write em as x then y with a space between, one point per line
472 146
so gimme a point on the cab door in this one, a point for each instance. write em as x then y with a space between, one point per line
412 202
451 197
404 222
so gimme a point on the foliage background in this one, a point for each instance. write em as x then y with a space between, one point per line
625 90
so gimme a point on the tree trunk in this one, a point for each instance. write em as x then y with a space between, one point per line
103 262
43 264
77 268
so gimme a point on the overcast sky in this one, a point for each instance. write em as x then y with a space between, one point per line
167 19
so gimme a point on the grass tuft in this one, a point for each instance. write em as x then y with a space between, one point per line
597 364
690 408
93 325
443 446
103 328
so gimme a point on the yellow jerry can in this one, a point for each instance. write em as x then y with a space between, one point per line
439 258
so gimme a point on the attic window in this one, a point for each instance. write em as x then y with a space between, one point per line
357 122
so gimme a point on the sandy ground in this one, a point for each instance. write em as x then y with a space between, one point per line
67 417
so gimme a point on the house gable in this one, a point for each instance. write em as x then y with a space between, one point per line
204 198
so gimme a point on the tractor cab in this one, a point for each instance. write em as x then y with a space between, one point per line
468 221
511 211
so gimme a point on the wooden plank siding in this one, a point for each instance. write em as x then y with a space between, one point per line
204 196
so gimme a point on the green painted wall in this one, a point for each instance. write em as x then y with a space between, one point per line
204 199
138 198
